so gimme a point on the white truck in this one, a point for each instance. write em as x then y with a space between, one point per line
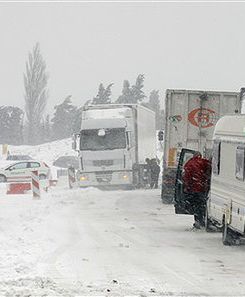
190 118
114 139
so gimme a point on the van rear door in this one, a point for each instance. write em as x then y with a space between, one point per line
182 201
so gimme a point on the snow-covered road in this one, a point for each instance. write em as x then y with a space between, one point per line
90 242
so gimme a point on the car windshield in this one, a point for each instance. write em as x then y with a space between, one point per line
103 139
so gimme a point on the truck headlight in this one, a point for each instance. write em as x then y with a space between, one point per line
124 176
83 178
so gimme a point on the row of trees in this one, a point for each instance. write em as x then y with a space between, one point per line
32 127
11 123
66 120
132 94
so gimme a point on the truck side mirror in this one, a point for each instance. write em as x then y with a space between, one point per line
160 135
76 142
128 142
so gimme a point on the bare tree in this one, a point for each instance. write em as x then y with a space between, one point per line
36 93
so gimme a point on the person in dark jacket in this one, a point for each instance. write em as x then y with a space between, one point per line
196 179
155 171
147 172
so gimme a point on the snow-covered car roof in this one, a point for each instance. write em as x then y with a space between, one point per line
19 157
6 164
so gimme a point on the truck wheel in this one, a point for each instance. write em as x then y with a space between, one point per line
208 224
227 237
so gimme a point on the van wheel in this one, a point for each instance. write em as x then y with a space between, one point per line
209 227
2 178
227 234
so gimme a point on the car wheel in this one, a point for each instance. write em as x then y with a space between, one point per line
3 178
42 176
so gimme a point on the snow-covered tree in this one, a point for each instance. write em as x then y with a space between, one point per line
126 96
154 101
133 94
76 127
46 129
36 93
66 119
154 104
104 95
11 123
137 89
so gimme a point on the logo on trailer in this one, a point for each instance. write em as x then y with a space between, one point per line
203 118
175 118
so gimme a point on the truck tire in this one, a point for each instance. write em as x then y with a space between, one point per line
209 226
227 234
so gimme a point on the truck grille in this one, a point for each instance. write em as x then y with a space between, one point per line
103 177
99 163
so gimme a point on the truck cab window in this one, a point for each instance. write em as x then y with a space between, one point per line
114 138
240 153
216 157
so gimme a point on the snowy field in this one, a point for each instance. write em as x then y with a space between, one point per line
46 152
50 151
116 243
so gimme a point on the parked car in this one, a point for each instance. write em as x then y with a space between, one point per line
22 170
66 162
18 158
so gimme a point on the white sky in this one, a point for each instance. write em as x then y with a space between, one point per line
176 45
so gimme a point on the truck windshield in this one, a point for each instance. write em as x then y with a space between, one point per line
113 139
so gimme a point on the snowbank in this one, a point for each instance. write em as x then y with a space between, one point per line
47 152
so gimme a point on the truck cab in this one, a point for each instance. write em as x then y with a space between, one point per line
111 144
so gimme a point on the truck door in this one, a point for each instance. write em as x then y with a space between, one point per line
182 203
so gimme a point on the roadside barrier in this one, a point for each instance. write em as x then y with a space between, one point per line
23 184
18 187
35 185
71 177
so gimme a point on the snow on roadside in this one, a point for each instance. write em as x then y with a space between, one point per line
116 243
25 241
46 152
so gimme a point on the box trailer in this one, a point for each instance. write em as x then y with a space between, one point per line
190 118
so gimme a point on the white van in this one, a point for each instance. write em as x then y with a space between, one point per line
226 202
